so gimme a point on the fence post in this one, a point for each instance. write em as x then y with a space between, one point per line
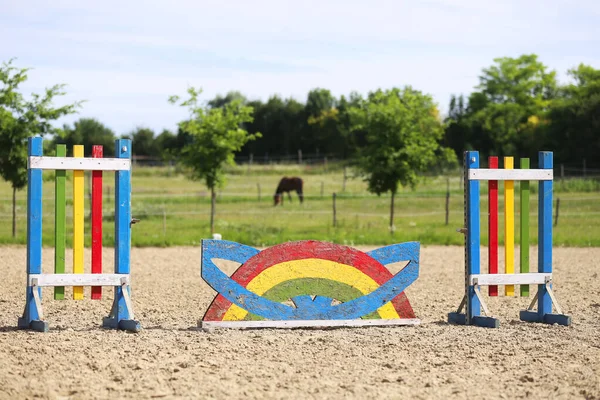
557 211
562 171
344 182
334 211
299 156
258 187
447 199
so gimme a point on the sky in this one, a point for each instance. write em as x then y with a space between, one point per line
125 58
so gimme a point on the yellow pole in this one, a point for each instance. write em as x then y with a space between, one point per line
78 216
509 226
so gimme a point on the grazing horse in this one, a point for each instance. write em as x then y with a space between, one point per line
287 185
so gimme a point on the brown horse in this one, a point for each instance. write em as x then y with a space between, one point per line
287 185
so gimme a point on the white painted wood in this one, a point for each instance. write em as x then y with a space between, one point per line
77 279
554 301
308 323
509 279
483 174
80 164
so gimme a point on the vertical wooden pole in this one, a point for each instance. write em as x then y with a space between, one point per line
122 229
473 238
509 226
60 223
34 232
524 227
97 223
557 211
447 199
544 233
334 211
258 188
78 218
345 177
493 226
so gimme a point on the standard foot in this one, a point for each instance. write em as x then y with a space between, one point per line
534 316
485 322
457 318
124 324
35 325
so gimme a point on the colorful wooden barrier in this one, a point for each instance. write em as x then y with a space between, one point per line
308 284
121 316
473 300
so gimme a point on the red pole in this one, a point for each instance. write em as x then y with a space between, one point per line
493 226
97 223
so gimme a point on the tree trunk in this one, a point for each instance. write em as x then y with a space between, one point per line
213 197
392 213
14 213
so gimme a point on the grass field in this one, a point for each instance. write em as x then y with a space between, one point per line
175 211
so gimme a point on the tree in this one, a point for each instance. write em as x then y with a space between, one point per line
21 118
87 132
143 143
574 128
221 101
166 143
215 136
516 94
403 131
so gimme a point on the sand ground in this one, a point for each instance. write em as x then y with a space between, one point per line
171 358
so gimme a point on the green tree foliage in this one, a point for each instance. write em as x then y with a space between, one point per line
508 113
21 118
574 130
143 143
216 134
403 131
87 132
221 101
166 143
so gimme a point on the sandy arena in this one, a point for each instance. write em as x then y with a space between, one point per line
171 358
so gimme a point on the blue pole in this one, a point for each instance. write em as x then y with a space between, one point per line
34 232
472 256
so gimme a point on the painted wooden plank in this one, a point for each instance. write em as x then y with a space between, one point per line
34 231
472 237
60 223
493 225
44 280
97 222
544 233
78 222
483 174
320 269
510 279
84 164
308 323
524 227
509 226
122 227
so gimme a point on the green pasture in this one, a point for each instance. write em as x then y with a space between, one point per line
175 211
